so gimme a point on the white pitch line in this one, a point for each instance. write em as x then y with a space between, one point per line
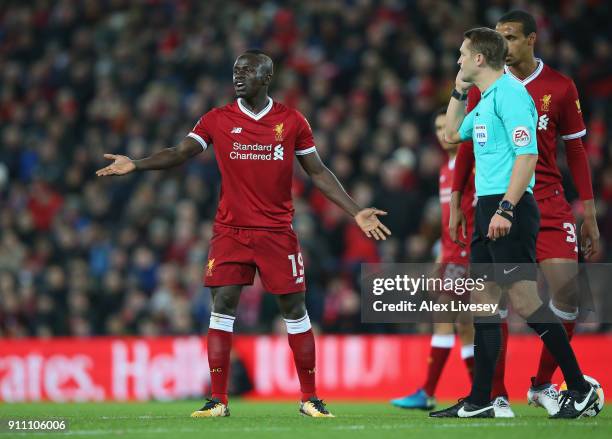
467 424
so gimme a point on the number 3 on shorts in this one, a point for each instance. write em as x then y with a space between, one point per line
297 274
570 228
571 232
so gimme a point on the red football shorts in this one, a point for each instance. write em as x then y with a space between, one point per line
456 272
235 254
558 234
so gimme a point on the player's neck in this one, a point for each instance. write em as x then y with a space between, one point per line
487 77
524 68
256 103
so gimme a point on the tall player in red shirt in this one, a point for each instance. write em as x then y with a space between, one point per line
255 140
559 112
453 262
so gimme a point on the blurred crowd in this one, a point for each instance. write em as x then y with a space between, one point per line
81 255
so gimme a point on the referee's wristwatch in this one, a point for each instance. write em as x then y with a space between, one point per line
505 209
459 96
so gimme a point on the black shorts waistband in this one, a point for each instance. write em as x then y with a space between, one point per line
500 196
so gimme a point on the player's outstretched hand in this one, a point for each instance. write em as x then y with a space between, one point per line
589 237
121 165
368 221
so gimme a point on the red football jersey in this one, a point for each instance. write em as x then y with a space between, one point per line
255 157
559 114
451 252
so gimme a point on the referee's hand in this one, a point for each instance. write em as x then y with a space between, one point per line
499 227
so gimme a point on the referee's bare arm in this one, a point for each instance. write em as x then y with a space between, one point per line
455 113
522 172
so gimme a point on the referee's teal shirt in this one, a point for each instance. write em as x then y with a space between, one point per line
502 126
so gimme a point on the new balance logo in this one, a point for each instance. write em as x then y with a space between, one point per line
278 152
299 280
543 122
236 130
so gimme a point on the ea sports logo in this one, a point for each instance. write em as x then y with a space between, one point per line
521 136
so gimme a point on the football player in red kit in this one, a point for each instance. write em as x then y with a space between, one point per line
559 114
453 262
255 140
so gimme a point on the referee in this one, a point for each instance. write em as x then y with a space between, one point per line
503 130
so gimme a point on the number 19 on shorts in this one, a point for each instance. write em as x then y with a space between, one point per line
297 272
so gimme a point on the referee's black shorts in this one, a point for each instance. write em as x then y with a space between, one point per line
513 257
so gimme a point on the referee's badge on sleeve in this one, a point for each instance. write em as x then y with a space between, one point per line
480 134
521 136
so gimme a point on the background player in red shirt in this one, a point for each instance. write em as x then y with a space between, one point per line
255 140
452 261
559 114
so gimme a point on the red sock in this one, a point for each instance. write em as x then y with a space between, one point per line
499 388
548 365
437 360
219 345
303 347
467 353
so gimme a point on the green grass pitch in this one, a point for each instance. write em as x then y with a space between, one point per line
251 420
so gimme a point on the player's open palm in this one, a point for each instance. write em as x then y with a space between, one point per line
120 166
367 220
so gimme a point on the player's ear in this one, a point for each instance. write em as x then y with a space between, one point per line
531 38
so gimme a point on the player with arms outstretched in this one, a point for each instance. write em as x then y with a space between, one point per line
453 262
255 140
559 114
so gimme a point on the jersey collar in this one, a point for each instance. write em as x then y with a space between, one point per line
531 77
493 86
252 115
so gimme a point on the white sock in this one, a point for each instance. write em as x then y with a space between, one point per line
222 322
563 315
467 351
299 325
443 340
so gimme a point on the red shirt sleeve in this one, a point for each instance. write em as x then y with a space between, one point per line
578 164
202 131
464 163
571 127
571 124
304 141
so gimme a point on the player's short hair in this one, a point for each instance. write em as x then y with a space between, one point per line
490 43
263 57
523 17
439 112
